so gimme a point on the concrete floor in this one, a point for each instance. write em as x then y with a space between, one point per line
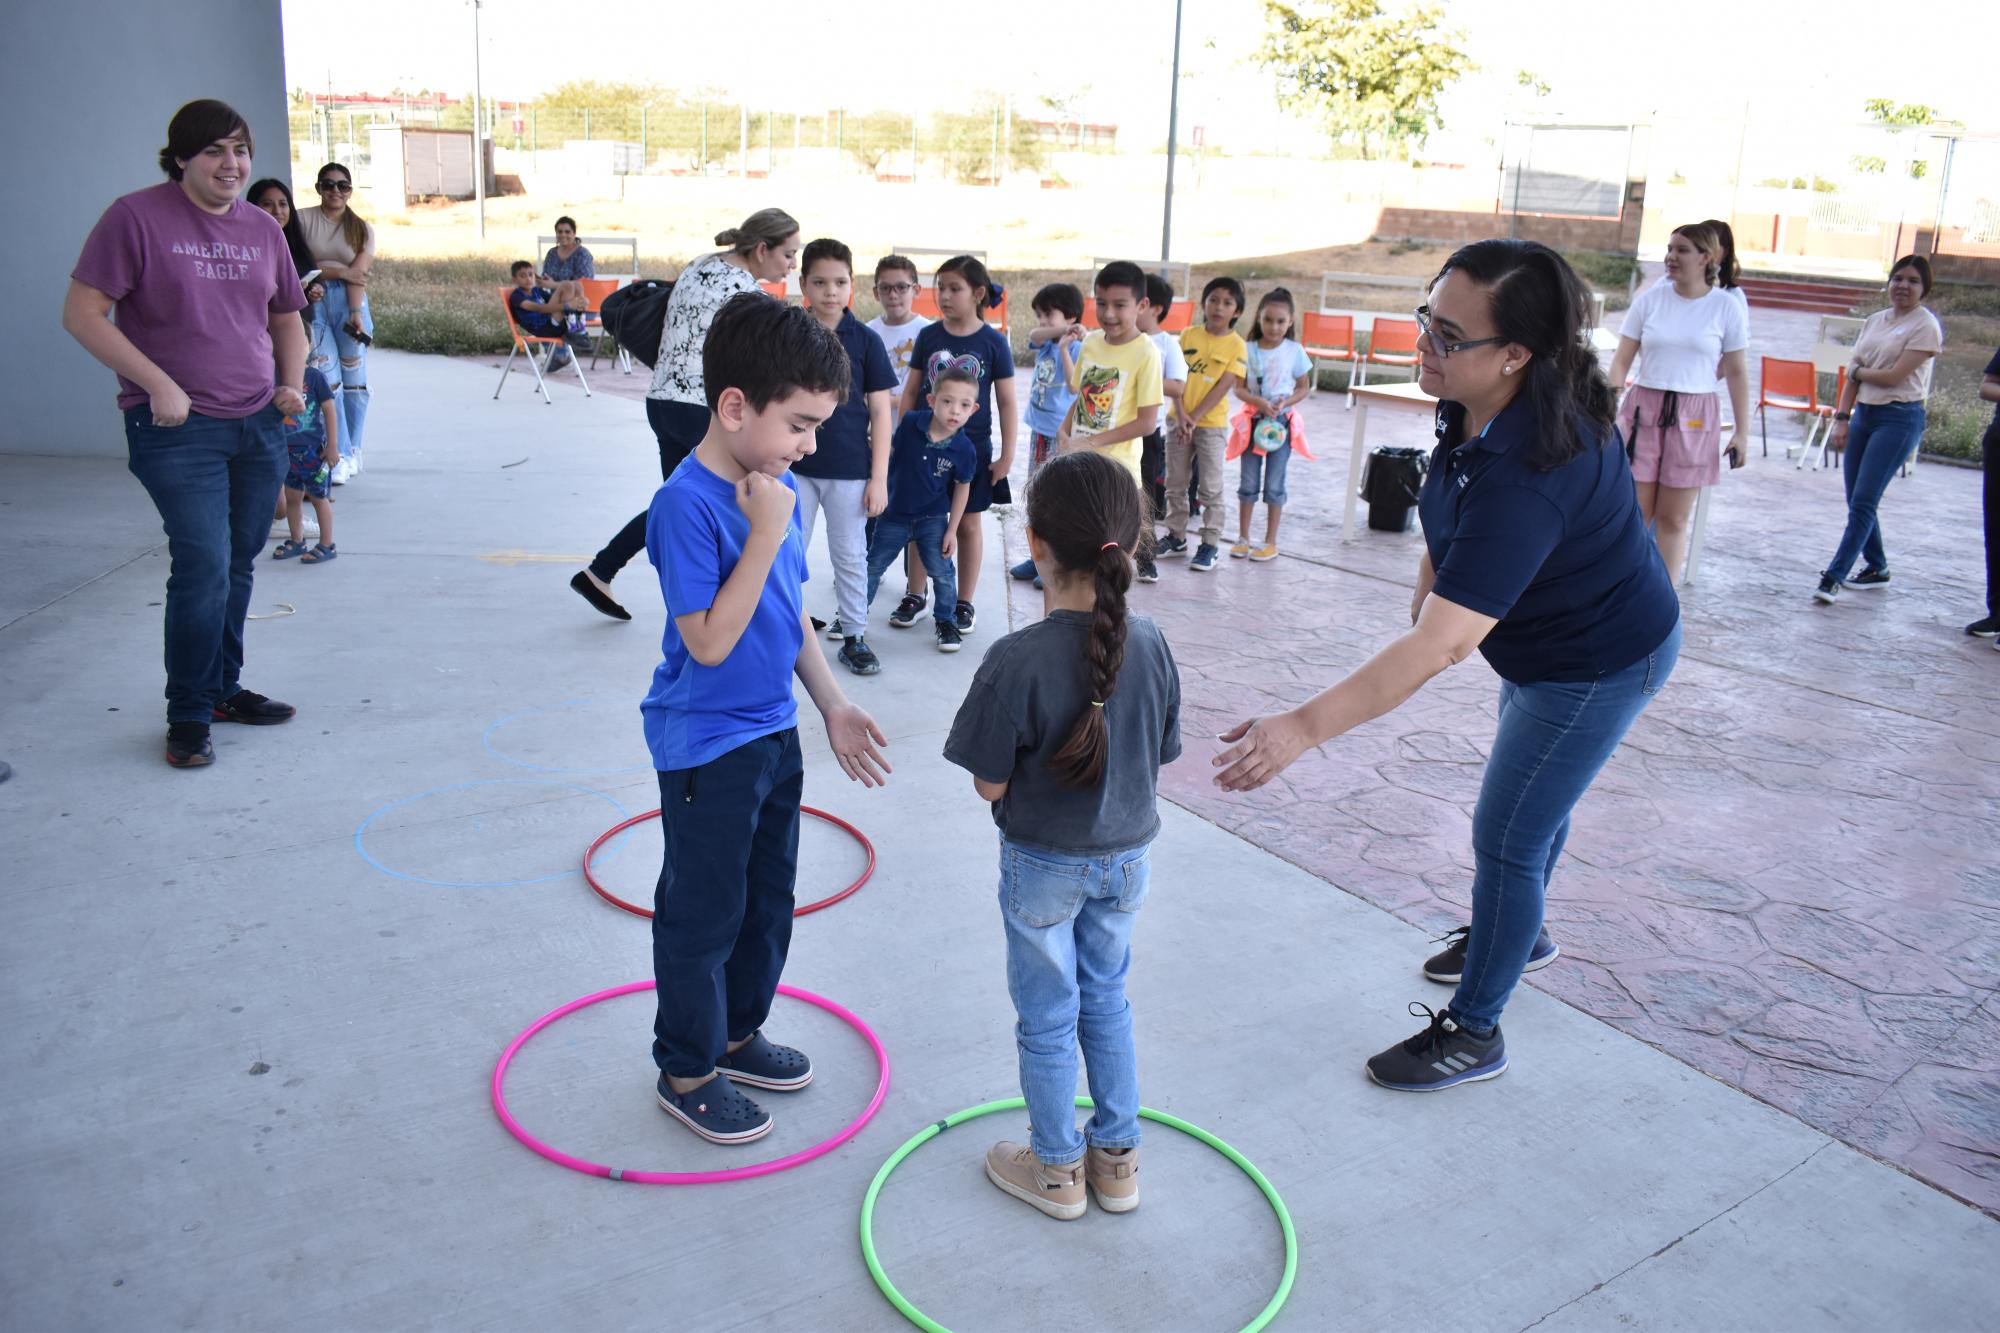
248 1040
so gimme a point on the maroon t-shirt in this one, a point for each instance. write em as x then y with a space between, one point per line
195 292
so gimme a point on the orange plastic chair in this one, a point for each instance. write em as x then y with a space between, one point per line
1328 337
1179 316
1391 342
1789 386
525 344
1090 314
923 301
595 290
776 289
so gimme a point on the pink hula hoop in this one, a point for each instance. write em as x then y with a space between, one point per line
776 1164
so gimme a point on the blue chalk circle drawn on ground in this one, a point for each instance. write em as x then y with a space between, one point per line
568 866
493 729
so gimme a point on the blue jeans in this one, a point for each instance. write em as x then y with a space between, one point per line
893 532
1069 944
1878 440
1553 739
215 481
722 910
1265 473
331 339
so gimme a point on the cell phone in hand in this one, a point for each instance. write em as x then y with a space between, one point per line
309 279
360 335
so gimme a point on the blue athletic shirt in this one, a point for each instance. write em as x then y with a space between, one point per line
694 536
841 452
985 350
1561 558
1049 397
922 471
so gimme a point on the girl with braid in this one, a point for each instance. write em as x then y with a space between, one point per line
1064 731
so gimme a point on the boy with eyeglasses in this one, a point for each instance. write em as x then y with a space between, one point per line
897 326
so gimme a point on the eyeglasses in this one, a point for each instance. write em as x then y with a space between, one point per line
1445 349
336 187
895 288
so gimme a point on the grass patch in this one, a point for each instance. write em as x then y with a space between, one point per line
1608 273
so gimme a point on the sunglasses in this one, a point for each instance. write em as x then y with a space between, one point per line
1445 349
336 187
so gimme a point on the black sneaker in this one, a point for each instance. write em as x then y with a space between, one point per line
948 638
1828 591
965 618
1984 629
1149 572
1449 966
859 658
187 745
833 629
1443 1055
1170 546
1870 578
1204 559
253 709
907 611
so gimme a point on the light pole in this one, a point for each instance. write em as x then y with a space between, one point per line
1173 132
478 144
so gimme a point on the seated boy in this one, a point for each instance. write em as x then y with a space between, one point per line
720 721
931 463
539 314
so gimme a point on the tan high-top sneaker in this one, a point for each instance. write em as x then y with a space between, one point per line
1113 1177
1056 1190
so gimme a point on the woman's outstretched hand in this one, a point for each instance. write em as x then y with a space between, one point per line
1259 750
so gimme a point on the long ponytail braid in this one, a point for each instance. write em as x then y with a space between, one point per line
1087 510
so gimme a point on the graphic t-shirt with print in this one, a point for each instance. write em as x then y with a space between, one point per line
195 292
900 340
1049 396
984 350
703 288
1114 384
1210 357
1273 372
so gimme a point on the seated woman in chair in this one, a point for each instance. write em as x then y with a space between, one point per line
563 269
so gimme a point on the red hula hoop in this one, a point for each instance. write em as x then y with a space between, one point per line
867 871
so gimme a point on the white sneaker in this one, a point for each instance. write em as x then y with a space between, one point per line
354 463
341 472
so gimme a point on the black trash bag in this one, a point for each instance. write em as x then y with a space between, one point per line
1390 486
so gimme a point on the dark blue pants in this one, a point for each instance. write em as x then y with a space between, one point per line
1881 437
215 481
722 911
1991 445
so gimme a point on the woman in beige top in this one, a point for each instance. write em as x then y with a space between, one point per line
344 248
1880 419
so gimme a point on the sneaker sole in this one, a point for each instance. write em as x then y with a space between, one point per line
1825 598
221 716
1534 965
874 670
1984 633
1113 1203
1864 587
192 761
1199 568
1062 1212
837 633
1469 1076
760 1081
726 1140
901 624
950 647
1265 559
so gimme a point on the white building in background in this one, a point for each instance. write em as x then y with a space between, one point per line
92 84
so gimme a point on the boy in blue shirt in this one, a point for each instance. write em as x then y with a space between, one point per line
931 465
538 312
720 720
847 475
1057 333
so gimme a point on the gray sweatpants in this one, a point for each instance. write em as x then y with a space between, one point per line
846 542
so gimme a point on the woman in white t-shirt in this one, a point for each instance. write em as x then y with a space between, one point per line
1887 381
1682 330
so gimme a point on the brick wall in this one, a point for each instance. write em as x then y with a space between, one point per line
1618 235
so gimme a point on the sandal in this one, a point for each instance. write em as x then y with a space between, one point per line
716 1111
289 549
319 555
762 1063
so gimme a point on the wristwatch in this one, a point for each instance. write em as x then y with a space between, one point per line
1842 416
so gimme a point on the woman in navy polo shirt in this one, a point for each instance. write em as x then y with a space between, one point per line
1536 555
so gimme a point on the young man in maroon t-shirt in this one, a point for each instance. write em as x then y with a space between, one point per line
210 360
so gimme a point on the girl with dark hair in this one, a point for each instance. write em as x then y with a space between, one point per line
762 249
962 337
343 248
275 197
1537 556
1266 433
1887 382
1064 731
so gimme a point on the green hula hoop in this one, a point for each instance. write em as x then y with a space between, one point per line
929 1132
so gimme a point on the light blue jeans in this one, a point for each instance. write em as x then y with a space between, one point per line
332 341
1069 944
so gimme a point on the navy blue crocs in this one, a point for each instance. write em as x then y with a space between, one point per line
716 1111
763 1064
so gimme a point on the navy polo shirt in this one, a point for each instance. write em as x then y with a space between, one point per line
923 471
841 451
1560 558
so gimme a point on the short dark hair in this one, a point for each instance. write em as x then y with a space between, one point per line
1159 293
196 126
891 263
1061 297
768 350
825 248
567 218
1233 287
1917 262
957 374
518 265
1122 273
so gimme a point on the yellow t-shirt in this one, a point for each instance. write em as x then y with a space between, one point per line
1209 358
1113 385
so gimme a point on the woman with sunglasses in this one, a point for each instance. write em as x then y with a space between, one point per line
1537 556
343 247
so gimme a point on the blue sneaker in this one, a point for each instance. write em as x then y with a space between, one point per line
1449 965
1443 1055
1023 571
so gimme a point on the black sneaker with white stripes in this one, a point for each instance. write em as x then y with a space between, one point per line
1449 965
1443 1055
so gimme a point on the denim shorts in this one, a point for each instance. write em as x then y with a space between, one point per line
1265 472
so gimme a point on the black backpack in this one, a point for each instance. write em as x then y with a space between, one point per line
634 315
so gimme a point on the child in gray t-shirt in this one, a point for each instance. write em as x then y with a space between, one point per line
1064 731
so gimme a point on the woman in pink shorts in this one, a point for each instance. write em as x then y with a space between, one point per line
1686 333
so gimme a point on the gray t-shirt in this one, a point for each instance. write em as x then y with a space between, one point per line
1022 706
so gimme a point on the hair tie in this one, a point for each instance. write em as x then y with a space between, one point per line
1097 703
1108 546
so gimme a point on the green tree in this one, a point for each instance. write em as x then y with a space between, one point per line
1369 77
1910 115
